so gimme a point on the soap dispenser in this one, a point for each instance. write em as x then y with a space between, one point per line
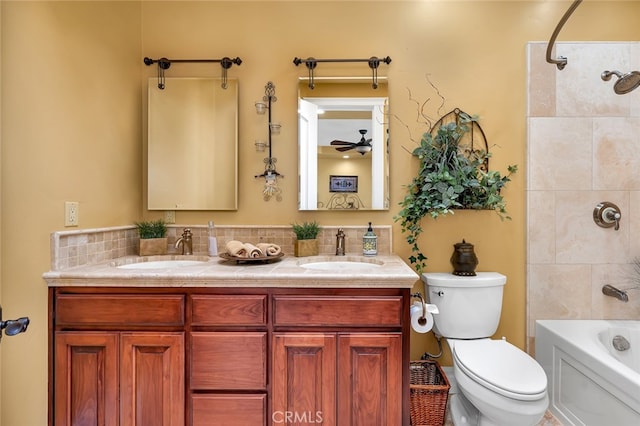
369 242
213 241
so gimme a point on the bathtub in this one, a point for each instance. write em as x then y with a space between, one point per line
589 381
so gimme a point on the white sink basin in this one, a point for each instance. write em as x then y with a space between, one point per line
340 265
161 264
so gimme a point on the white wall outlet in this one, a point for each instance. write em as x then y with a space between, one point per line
71 213
170 216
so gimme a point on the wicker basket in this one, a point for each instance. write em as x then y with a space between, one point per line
429 390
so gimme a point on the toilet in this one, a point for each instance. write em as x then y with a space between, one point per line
500 385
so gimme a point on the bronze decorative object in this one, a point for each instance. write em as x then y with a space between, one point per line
464 259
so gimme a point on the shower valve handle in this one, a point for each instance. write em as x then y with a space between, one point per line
612 215
607 215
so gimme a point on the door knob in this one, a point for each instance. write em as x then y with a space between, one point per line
13 327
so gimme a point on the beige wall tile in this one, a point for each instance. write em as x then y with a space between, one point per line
541 235
541 83
579 89
623 277
615 147
559 292
578 238
559 153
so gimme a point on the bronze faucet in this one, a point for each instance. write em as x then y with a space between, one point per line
609 290
185 241
340 242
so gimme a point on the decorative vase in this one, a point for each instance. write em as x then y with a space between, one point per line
464 259
304 248
152 246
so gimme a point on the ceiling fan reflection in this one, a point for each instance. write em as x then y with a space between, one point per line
363 146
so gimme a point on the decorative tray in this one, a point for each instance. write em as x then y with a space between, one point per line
261 259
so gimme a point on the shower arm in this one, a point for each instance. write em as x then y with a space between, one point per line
561 62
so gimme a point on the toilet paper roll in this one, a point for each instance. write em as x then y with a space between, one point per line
419 323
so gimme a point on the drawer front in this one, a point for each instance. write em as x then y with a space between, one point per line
229 310
228 360
359 311
120 310
225 409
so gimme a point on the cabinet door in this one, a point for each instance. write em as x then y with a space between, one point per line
152 379
86 378
304 378
370 379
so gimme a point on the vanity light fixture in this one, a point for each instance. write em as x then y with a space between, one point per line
270 174
164 64
373 62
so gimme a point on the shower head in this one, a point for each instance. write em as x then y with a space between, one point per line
626 82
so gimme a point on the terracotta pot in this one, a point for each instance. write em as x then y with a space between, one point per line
152 246
304 248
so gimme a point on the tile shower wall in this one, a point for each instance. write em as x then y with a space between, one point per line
583 148
91 246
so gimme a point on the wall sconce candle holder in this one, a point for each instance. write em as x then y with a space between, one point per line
261 108
260 145
270 173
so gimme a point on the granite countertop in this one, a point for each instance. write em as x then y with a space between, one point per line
389 272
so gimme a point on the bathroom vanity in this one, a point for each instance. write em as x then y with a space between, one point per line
215 343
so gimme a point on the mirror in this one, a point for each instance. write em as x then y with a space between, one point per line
348 175
192 145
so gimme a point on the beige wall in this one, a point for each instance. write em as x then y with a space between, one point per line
71 115
73 119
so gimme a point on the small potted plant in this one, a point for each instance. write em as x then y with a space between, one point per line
307 238
153 237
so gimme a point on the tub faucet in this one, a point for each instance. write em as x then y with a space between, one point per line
609 290
340 242
185 241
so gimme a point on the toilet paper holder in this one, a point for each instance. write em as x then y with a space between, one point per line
425 308
422 320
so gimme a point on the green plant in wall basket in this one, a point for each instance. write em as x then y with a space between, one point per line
450 176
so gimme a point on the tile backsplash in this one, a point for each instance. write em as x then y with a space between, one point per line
91 246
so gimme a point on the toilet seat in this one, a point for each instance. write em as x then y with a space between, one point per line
501 367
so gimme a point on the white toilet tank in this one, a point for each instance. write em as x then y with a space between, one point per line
470 307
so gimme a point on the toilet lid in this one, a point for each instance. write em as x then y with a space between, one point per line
501 367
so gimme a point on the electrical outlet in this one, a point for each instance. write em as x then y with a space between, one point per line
170 216
71 213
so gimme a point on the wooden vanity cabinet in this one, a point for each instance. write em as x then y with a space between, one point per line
223 356
350 376
118 359
228 359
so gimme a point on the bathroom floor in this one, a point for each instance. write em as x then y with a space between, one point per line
547 420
